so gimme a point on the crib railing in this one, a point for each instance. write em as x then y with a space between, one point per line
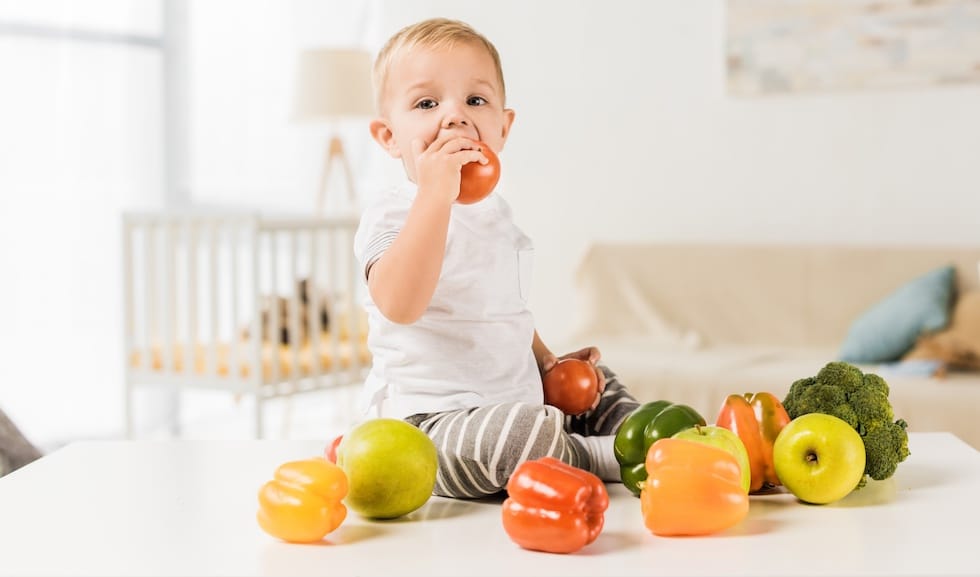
242 303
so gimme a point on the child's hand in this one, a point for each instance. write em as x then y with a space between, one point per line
589 354
438 165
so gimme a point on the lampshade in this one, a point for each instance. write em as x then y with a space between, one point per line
333 83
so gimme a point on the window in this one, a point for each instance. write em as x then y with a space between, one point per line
82 140
100 116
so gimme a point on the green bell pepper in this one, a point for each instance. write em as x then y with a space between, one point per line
643 427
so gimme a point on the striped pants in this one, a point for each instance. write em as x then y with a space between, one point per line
479 448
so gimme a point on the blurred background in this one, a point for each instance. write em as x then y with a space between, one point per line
764 121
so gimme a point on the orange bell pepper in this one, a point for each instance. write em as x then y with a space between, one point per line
692 488
303 502
757 419
554 507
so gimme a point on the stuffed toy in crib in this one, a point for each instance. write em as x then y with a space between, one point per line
282 305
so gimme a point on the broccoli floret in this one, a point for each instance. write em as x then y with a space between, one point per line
871 407
886 444
847 414
796 390
861 400
816 397
874 382
819 398
843 375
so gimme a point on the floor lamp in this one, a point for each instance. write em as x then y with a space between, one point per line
331 85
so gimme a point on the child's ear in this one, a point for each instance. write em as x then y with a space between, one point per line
383 135
508 121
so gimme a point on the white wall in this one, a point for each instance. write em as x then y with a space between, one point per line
245 148
624 132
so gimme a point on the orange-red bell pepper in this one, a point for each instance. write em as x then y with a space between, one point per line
554 507
692 488
757 419
303 502
330 452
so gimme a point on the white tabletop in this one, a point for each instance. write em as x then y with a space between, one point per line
188 508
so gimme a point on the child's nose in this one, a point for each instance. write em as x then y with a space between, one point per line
454 121
454 118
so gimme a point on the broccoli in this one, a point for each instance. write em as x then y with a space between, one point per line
891 442
844 391
794 390
874 382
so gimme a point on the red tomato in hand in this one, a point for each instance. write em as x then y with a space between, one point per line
477 180
331 452
571 385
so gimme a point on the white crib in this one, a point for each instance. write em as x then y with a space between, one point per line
237 303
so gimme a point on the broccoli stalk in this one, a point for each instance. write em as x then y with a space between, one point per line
842 390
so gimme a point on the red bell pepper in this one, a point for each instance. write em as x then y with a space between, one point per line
554 507
330 452
757 419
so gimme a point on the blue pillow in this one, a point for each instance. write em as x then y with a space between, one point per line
890 328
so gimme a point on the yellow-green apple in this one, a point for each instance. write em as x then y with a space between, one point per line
390 466
724 439
819 458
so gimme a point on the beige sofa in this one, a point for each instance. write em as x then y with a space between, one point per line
694 323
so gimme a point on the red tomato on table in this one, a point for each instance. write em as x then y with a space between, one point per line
476 180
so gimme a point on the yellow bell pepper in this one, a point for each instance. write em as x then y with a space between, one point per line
303 502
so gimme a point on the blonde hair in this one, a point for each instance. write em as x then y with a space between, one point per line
432 33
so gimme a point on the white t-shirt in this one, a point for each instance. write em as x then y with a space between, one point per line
472 345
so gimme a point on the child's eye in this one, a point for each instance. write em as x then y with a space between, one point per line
476 101
426 104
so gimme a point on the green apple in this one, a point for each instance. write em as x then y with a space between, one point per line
819 458
390 466
725 439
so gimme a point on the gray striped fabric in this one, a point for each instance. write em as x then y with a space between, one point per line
479 448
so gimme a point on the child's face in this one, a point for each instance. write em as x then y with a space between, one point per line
435 92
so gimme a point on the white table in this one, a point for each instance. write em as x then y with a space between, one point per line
188 508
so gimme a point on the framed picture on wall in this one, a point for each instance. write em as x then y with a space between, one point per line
780 46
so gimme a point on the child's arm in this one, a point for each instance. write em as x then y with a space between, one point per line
403 280
542 354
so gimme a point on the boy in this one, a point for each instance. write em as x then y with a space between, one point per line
454 347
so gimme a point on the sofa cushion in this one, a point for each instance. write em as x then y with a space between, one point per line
958 346
890 328
724 293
